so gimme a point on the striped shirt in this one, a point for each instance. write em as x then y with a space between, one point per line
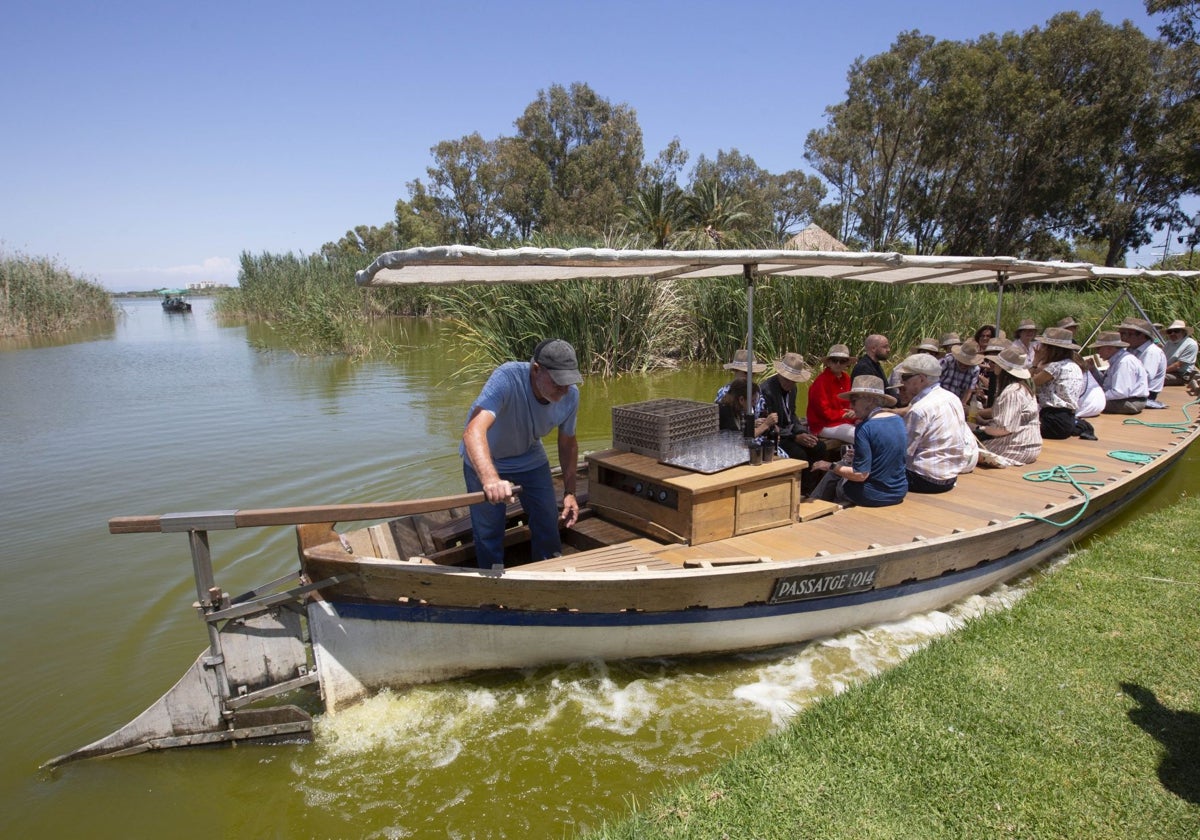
1017 411
940 443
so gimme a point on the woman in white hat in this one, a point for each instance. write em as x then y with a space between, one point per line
828 417
876 477
1012 430
1059 383
1181 349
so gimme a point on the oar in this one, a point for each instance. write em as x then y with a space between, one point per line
292 515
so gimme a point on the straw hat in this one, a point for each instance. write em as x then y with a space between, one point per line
1058 337
948 340
923 364
1138 325
995 346
1067 323
792 366
838 351
1109 339
928 345
739 363
1178 324
1026 324
1012 360
967 353
870 386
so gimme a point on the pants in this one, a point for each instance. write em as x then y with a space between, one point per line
1057 423
1130 406
541 510
920 484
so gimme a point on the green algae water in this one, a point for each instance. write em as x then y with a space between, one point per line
169 413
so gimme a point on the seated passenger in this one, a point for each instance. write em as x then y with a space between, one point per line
960 370
779 399
1011 430
738 366
876 477
1181 351
1124 380
925 345
1059 383
948 342
828 417
1024 338
940 444
731 411
1139 335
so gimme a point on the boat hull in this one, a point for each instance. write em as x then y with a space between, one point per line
362 647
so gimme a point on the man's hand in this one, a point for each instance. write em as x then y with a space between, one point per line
570 511
498 491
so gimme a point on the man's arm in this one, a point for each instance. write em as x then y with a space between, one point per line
568 459
475 441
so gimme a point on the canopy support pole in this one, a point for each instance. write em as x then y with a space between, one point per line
1001 278
749 272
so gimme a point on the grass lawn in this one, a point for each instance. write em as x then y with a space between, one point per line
1076 714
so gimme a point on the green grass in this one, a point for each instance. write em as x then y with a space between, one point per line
1076 714
39 297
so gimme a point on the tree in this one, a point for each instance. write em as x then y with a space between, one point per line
592 152
655 214
465 188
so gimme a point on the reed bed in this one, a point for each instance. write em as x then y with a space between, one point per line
313 303
40 297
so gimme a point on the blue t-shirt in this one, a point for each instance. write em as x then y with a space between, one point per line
880 444
515 438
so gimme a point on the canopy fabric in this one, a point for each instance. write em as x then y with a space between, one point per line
457 264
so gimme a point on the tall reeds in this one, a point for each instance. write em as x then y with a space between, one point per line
313 303
39 297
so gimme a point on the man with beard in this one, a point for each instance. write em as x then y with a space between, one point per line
876 350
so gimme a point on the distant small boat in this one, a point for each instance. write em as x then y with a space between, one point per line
173 300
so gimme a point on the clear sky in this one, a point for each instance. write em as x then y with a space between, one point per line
147 144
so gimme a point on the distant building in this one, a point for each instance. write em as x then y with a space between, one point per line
201 285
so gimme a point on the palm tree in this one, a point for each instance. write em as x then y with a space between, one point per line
713 217
655 214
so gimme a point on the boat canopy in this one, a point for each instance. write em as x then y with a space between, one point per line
459 264
172 292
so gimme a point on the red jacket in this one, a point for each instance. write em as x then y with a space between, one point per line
824 407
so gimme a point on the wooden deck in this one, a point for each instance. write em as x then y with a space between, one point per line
982 498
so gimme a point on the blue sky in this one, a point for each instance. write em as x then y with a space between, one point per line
147 144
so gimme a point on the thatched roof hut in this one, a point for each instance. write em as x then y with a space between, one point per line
814 238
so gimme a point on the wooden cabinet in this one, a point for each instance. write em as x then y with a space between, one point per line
679 505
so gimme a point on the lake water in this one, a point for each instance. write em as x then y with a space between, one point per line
167 413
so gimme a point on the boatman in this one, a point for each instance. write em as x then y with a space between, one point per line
502 446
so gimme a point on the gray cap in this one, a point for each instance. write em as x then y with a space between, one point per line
921 363
558 357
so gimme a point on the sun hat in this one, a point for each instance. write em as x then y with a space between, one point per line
1012 359
1058 337
870 386
949 340
928 345
1109 339
558 357
739 363
923 364
792 366
1178 324
1067 323
1026 324
1138 325
838 351
967 353
995 346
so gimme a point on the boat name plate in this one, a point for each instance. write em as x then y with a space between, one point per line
823 584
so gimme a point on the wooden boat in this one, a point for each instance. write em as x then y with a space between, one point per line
663 562
173 300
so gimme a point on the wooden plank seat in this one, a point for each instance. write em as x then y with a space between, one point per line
626 557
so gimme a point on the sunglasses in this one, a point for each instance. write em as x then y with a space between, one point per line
904 377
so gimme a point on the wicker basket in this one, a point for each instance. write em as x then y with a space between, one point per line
653 428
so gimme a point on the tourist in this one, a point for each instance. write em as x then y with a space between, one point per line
1180 348
1024 338
930 347
502 445
1011 430
876 350
1059 383
948 342
1139 334
796 440
828 417
940 444
876 476
960 370
983 335
738 366
1123 378
731 411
